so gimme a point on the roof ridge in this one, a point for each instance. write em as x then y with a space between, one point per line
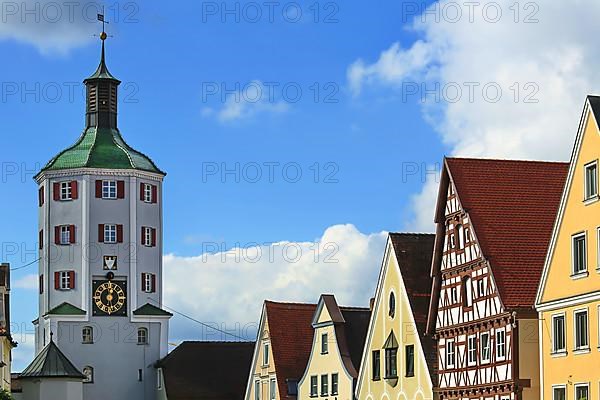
352 308
411 233
507 160
122 149
290 303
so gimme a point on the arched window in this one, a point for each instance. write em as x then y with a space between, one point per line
88 372
87 335
142 336
392 305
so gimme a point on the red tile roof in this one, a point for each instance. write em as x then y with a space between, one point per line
512 206
291 335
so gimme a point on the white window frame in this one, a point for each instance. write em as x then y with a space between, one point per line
314 386
65 234
265 353
324 343
109 190
257 390
481 287
483 349
587 333
598 249
586 194
65 280
563 387
65 191
581 385
148 283
147 236
453 295
500 344
472 350
573 238
335 388
142 336
147 193
88 378
110 233
87 335
324 385
449 353
272 389
562 350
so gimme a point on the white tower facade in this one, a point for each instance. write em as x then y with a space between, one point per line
100 244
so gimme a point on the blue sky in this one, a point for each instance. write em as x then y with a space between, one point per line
360 133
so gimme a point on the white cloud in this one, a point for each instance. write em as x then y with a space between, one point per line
553 60
228 287
29 282
252 99
24 352
50 26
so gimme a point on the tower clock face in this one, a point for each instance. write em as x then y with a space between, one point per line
109 298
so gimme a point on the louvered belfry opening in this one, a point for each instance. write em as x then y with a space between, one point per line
102 104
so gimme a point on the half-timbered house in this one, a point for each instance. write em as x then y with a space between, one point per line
494 220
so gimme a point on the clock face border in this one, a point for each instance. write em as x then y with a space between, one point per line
97 312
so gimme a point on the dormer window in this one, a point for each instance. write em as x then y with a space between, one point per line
591 180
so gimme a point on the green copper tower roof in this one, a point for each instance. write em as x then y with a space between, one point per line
101 144
51 363
101 148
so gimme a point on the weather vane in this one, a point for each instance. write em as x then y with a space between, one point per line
101 18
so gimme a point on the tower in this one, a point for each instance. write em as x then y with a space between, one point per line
100 244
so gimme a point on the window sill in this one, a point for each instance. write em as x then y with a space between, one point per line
591 200
392 377
379 378
142 344
582 350
580 275
409 376
560 353
87 342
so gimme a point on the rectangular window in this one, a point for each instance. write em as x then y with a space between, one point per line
257 390
376 365
65 280
87 335
65 234
159 378
472 349
391 363
148 236
501 344
484 338
109 189
266 354
453 295
581 330
559 393
450 355
334 384
314 386
591 180
66 192
579 254
582 392
272 389
558 334
110 233
324 344
324 385
148 282
147 193
410 360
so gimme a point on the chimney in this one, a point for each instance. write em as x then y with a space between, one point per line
371 304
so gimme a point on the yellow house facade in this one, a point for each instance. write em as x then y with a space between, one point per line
568 299
338 341
398 358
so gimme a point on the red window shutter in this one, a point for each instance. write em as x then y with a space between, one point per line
56 191
143 236
154 196
41 239
72 233
57 235
120 189
141 191
71 279
143 281
74 193
119 233
98 189
101 233
153 231
153 278
41 196
41 283
57 280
